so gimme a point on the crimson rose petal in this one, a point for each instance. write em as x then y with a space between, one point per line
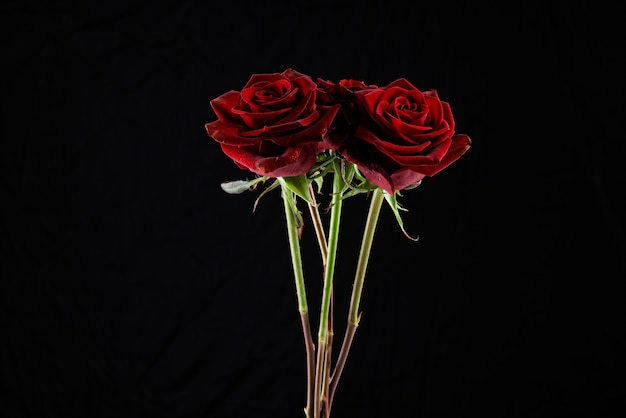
274 126
290 162
402 135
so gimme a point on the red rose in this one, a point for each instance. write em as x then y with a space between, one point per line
273 126
403 135
343 93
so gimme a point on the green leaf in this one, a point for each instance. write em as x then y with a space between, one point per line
396 208
240 186
299 185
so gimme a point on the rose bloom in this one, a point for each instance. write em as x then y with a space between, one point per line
342 92
273 126
399 135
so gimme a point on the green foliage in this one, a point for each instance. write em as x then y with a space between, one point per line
240 186
354 183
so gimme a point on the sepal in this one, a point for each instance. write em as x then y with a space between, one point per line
300 185
396 208
291 198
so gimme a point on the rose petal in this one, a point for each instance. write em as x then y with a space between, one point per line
290 162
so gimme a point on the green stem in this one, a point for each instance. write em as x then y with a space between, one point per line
298 272
319 227
294 247
323 245
333 238
357 288
364 254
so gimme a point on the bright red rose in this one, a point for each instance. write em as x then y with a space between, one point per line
403 135
273 127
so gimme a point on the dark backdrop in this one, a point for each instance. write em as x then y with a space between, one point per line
132 285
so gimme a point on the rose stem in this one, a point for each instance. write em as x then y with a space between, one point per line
298 272
319 227
327 365
357 287
333 238
321 239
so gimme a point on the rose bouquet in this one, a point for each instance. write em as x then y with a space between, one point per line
292 132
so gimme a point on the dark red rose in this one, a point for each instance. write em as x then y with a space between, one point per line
344 89
403 135
274 126
346 120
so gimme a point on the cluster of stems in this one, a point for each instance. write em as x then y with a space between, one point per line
322 374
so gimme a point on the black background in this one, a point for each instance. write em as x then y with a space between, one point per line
132 285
